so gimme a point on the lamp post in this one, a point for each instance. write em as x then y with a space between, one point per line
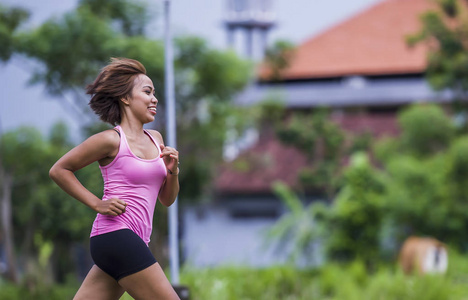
171 138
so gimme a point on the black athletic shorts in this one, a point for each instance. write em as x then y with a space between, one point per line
120 253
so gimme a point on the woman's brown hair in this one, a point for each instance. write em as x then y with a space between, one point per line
114 82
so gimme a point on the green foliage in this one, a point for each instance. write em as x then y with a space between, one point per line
53 292
295 232
132 17
38 204
426 129
349 228
420 189
10 21
22 152
419 200
444 31
361 142
28 156
232 283
201 146
73 48
332 281
385 148
449 7
294 134
207 74
206 80
322 143
356 214
457 169
270 110
425 172
278 58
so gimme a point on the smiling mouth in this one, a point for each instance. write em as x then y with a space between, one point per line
153 109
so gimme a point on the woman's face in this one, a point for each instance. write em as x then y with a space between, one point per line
143 102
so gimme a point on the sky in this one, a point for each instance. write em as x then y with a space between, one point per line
297 20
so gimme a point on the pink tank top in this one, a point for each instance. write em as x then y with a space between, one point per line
135 180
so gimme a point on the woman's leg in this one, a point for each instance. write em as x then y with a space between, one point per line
149 284
100 286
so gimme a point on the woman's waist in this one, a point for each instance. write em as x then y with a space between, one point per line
136 208
135 197
106 223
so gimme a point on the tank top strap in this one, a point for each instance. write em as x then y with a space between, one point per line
124 148
154 140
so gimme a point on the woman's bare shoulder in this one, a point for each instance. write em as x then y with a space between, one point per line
97 147
156 135
110 137
107 140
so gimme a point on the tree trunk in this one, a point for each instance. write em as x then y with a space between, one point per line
7 227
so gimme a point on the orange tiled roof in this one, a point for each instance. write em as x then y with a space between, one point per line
370 43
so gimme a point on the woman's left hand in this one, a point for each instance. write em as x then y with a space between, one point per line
171 158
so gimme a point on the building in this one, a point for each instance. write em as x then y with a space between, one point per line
255 18
364 71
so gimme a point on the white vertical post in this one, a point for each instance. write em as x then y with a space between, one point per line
171 134
249 40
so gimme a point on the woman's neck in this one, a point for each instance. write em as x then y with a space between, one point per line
132 129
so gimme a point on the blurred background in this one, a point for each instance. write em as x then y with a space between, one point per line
323 143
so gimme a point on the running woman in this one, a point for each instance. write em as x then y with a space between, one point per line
137 169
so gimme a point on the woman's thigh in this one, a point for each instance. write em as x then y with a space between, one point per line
148 284
100 286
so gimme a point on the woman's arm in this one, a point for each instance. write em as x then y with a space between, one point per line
95 148
170 187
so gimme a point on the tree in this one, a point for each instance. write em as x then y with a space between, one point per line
444 32
73 48
426 130
424 174
44 221
415 185
6 219
322 144
10 21
22 154
206 80
278 58
355 219
347 229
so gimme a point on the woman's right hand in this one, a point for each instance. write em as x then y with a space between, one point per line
112 207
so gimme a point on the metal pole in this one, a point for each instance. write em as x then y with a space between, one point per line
249 42
171 134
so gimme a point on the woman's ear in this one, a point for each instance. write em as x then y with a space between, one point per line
125 101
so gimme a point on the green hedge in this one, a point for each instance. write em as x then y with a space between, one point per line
330 282
10 291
